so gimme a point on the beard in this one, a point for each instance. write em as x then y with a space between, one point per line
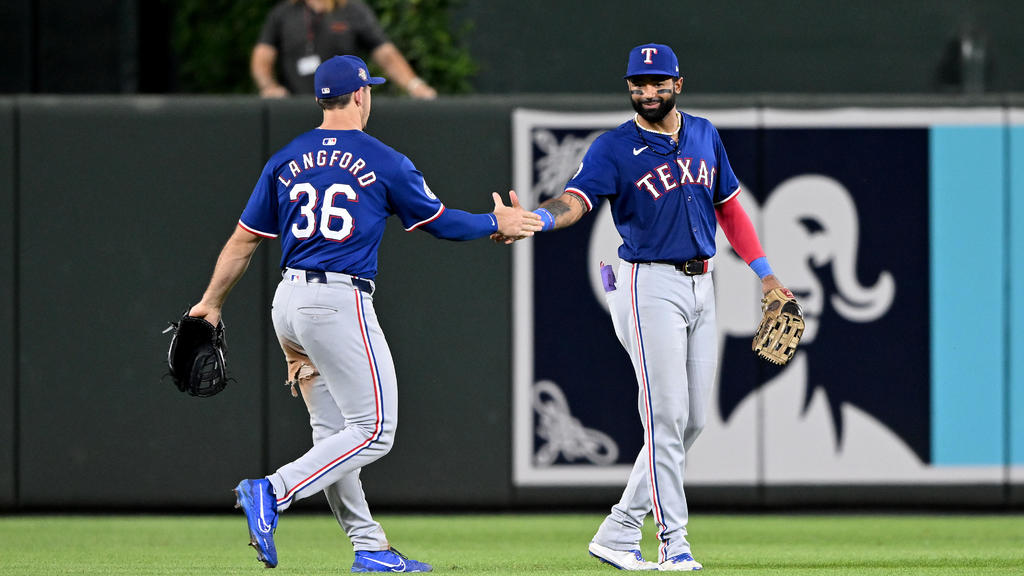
656 115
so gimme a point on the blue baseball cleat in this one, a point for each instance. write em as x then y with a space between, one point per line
680 563
256 498
621 559
389 560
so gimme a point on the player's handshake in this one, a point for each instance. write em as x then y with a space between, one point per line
514 222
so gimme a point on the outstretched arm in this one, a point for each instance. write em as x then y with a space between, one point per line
511 221
560 212
565 210
231 265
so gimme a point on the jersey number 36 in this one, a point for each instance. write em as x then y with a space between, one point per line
328 213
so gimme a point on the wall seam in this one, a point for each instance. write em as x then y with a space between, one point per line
15 300
267 323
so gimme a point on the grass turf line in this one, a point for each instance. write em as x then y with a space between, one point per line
533 544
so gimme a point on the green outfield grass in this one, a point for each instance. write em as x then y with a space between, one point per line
532 544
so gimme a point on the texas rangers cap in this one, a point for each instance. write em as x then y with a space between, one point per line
342 75
654 59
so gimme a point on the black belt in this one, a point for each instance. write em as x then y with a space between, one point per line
694 267
320 277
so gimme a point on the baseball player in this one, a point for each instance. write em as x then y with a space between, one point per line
326 196
668 180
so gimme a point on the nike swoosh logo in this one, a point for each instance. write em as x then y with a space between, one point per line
262 522
637 151
401 564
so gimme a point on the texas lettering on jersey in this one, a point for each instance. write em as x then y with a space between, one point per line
666 180
662 196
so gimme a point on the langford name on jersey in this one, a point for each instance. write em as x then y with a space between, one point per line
328 158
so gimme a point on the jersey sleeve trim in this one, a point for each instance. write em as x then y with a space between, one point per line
582 196
729 197
255 231
428 220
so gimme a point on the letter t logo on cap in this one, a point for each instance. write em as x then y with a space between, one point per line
647 54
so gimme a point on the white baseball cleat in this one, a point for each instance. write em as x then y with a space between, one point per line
680 563
621 559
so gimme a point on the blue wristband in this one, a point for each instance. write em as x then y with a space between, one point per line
760 267
546 217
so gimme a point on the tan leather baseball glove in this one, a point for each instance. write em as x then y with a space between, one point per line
782 325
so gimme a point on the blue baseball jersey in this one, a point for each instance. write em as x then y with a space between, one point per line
662 196
327 196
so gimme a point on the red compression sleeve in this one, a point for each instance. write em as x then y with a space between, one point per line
739 229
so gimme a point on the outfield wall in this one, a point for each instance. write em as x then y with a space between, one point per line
899 220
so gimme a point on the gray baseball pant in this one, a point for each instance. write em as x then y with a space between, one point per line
666 322
352 402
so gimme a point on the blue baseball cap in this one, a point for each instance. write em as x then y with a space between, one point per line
342 75
653 59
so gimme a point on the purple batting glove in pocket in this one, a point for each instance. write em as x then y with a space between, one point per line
607 277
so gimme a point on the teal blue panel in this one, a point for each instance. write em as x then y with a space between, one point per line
968 304
1016 259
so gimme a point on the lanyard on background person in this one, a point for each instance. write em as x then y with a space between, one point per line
308 64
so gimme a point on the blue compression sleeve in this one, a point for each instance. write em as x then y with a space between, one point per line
760 267
455 224
546 217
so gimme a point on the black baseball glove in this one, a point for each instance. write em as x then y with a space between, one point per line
196 356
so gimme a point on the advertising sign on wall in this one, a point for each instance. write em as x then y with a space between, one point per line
847 204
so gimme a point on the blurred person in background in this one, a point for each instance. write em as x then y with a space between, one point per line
300 34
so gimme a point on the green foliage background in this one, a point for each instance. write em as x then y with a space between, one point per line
213 39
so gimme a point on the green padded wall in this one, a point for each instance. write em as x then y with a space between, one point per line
123 207
114 210
8 344
444 307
